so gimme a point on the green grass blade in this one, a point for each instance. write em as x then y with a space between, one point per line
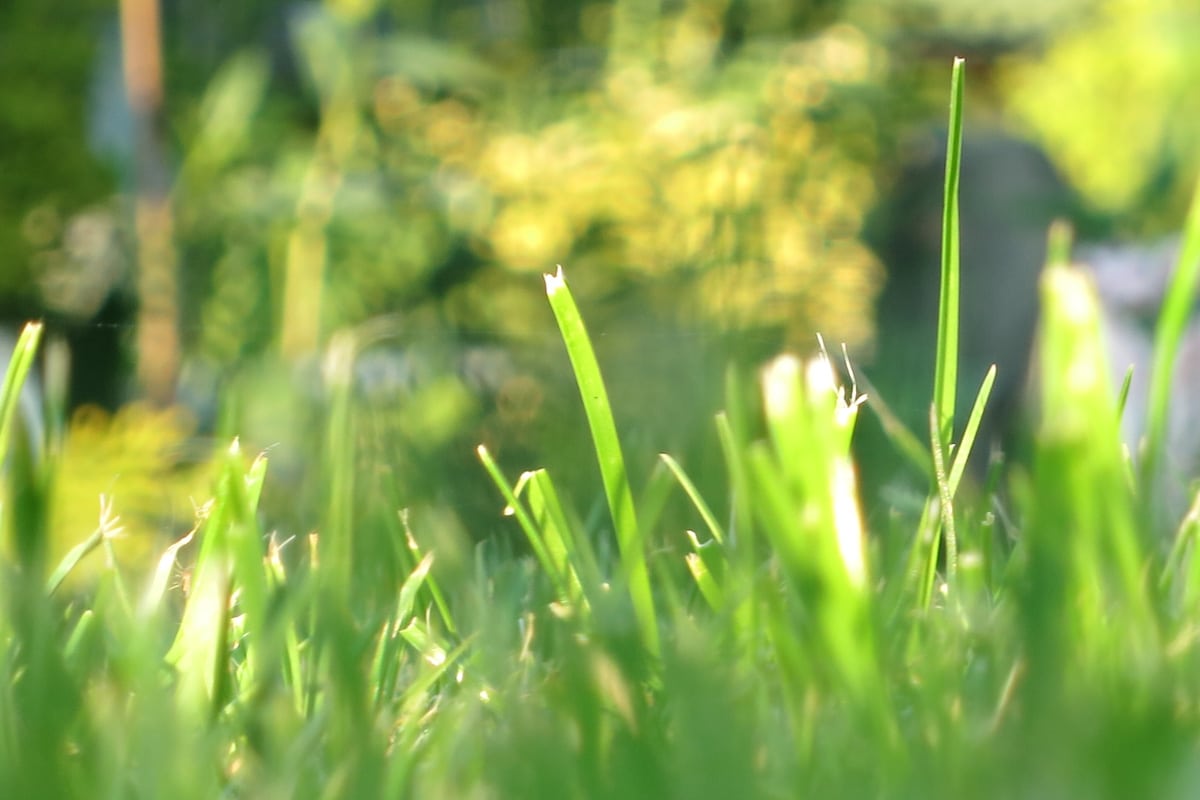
1172 321
694 495
609 455
1123 395
431 581
959 465
704 581
533 533
946 369
580 562
949 532
14 379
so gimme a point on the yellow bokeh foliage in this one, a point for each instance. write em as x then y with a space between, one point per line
142 461
737 184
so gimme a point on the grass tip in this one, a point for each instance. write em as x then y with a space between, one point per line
556 281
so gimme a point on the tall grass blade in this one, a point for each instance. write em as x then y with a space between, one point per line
608 453
946 368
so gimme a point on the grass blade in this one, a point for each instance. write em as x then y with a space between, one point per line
608 453
946 369
1172 321
14 379
693 494
532 533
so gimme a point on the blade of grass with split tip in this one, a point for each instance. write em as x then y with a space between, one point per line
609 455
1172 321
946 369
693 494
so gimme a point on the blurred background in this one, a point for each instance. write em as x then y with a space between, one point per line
200 197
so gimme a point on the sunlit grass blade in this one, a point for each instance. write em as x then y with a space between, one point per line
609 455
946 367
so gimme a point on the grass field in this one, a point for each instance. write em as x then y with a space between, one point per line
772 652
